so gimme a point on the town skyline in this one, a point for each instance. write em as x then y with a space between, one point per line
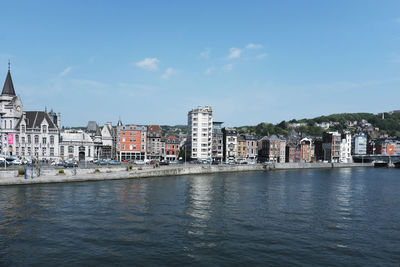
146 63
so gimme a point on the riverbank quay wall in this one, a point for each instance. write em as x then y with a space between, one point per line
84 175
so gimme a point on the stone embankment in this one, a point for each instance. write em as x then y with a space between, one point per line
81 175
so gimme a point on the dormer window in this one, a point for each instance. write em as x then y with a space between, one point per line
44 128
23 128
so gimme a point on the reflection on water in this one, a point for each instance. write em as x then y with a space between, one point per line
305 217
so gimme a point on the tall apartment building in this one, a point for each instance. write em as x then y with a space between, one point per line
199 139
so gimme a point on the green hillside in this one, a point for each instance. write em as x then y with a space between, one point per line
390 124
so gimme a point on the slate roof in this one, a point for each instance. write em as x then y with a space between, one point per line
92 127
8 88
35 118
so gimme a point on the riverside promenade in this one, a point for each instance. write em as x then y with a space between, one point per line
83 175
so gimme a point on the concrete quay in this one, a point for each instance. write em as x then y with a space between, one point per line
84 175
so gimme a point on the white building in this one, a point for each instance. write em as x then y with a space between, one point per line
359 144
200 124
26 134
345 148
76 145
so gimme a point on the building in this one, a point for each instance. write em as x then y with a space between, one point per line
272 149
217 142
108 141
199 139
386 146
359 144
292 153
76 145
306 150
132 142
229 142
154 148
336 147
171 148
247 148
26 134
345 148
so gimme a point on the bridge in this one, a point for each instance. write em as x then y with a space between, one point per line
377 158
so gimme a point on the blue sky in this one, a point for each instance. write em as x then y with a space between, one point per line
150 62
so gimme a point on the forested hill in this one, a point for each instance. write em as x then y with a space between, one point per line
388 123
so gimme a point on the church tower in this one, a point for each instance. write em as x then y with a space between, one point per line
10 113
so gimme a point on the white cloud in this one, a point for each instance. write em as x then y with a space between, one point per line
234 53
205 53
227 67
261 56
209 71
150 64
65 72
168 73
254 46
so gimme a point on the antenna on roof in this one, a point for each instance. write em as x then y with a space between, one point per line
9 65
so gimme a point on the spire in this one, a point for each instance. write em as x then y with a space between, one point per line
8 88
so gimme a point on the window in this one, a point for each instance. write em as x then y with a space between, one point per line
36 151
29 151
52 151
61 150
23 128
23 151
123 147
29 139
23 139
70 149
17 138
44 140
10 124
123 139
44 128
130 147
36 139
43 151
52 139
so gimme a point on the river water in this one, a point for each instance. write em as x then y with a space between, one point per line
338 217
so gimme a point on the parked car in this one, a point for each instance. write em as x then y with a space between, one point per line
139 162
4 162
70 164
114 162
17 162
164 162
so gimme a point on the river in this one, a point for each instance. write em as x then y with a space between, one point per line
299 217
